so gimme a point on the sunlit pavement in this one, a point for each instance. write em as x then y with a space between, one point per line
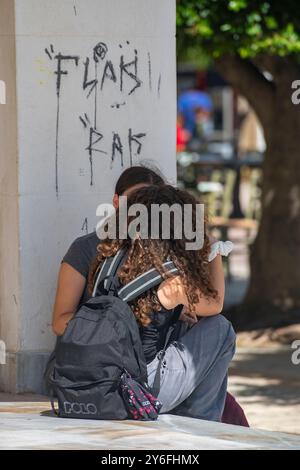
30 425
267 383
262 376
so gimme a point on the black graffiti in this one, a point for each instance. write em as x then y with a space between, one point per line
118 105
98 69
50 54
59 72
85 226
100 51
127 70
134 138
158 86
86 82
149 71
109 72
130 69
60 58
94 138
85 120
117 147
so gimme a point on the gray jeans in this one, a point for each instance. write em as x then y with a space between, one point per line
194 370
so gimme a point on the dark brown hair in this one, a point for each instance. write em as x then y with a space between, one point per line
137 175
144 254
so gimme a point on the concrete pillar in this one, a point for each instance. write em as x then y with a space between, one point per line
90 89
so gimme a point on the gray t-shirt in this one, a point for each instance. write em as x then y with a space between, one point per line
81 255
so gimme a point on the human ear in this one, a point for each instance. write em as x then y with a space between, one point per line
115 201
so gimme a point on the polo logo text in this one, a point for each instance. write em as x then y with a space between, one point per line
80 408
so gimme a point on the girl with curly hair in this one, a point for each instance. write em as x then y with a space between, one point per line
72 287
193 375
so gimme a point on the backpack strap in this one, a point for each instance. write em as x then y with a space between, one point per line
137 286
156 382
144 282
108 271
55 411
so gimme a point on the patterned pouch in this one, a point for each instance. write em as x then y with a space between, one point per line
140 402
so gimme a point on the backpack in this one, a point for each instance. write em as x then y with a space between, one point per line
98 369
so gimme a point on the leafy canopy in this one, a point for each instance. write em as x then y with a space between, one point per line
244 27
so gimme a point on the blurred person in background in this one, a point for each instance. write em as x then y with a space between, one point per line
182 134
195 107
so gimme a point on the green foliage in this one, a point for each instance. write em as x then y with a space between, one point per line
243 27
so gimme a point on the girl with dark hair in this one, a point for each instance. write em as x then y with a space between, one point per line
194 372
72 279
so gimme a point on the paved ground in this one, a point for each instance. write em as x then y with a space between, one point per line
262 375
267 384
264 381
29 425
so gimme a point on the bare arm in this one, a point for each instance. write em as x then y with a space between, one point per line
70 287
172 292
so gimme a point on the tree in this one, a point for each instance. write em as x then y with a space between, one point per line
255 46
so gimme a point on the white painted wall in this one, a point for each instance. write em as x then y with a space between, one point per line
2 92
9 221
55 201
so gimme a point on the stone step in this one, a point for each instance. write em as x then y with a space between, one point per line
31 425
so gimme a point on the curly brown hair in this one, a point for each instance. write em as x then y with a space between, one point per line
146 253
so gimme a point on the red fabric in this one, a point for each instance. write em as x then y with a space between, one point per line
233 413
181 138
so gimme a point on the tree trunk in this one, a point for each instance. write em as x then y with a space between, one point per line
273 297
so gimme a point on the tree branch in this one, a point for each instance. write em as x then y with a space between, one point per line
251 83
270 63
281 68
